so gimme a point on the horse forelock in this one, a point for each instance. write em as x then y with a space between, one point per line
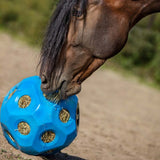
57 32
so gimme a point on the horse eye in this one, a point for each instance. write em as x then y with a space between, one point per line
77 13
75 44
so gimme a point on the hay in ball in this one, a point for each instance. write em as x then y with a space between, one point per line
54 97
11 94
24 128
64 116
24 101
10 136
48 136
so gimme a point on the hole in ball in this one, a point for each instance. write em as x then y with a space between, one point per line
24 128
24 101
64 116
10 136
77 116
11 94
48 136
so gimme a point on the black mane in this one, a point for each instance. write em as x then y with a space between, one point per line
57 32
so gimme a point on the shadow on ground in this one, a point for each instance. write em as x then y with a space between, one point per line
62 156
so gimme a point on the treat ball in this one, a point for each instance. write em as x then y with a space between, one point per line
34 124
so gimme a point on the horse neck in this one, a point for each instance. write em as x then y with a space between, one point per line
153 7
150 7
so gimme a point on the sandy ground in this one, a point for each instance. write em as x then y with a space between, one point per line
120 118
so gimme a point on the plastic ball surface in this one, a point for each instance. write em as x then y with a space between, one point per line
35 125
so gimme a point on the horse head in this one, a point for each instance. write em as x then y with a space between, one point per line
82 35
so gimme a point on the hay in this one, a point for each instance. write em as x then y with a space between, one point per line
48 136
24 128
55 97
64 116
10 136
11 94
24 101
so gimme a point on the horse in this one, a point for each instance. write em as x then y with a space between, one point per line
82 35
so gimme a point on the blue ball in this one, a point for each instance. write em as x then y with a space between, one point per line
35 125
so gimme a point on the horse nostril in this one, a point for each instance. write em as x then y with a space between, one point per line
45 83
43 79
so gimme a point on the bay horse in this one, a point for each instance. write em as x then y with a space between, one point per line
82 35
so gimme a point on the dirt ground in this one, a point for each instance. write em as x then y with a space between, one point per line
120 118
